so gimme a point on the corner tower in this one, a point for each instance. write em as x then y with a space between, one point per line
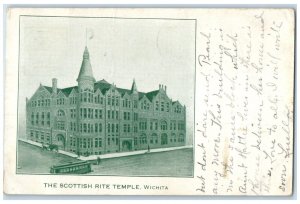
85 78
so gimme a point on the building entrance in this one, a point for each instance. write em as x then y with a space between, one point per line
61 141
126 145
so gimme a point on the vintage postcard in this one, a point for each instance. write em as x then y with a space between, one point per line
149 101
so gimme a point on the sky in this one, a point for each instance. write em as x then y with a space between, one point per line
151 51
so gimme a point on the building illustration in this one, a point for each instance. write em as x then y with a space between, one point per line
96 117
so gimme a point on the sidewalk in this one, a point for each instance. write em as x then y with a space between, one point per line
111 155
124 154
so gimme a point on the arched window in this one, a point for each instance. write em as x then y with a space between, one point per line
163 125
154 139
143 139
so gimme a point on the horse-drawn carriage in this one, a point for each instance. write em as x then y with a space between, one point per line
51 147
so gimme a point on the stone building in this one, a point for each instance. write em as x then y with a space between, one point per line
97 117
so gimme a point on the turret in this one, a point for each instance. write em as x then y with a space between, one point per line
85 78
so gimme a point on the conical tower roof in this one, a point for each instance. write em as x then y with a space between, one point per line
86 71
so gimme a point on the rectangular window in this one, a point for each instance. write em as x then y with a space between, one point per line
113 101
89 113
135 103
96 113
157 105
43 118
96 142
125 128
32 118
47 137
108 114
84 143
42 136
108 100
37 118
96 127
100 114
100 142
84 127
84 113
48 118
117 101
36 135
89 127
88 142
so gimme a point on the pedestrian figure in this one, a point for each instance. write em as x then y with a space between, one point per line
148 148
98 160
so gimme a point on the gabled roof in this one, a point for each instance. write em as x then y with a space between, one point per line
174 102
102 85
141 95
152 94
67 91
124 91
48 88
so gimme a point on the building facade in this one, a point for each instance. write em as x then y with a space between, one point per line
97 117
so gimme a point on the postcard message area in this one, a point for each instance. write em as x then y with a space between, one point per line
238 121
244 139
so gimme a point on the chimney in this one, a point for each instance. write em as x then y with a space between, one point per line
54 85
165 88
